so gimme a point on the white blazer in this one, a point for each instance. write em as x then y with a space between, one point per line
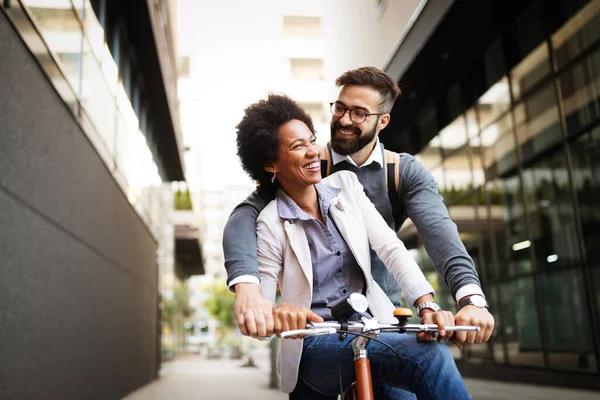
284 258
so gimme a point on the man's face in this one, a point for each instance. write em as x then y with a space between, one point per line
348 137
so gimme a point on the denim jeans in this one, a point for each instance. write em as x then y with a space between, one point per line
426 369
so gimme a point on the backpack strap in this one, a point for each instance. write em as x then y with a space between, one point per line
325 156
392 170
392 182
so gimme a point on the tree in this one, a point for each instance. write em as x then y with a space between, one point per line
220 305
174 311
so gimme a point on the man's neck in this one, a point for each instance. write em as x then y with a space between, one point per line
361 156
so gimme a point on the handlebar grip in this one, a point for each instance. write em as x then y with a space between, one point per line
308 332
295 332
434 328
463 328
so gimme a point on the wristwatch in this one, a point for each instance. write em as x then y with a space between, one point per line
427 304
475 300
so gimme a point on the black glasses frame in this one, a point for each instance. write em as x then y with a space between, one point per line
351 112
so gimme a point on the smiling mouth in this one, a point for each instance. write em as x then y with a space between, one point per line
313 166
346 132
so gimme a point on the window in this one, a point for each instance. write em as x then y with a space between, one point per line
580 91
578 34
302 26
315 110
537 121
183 67
307 68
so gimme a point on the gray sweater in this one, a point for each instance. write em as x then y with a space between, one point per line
418 199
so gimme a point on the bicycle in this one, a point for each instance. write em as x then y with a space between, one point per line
369 328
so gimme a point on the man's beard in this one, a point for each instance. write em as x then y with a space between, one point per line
346 147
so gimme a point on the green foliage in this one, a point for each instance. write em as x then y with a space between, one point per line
176 308
183 200
220 305
466 196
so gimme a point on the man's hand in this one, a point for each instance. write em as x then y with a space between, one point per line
442 319
252 311
474 316
289 317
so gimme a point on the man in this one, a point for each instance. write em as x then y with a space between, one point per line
361 111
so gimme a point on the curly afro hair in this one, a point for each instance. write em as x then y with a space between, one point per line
258 137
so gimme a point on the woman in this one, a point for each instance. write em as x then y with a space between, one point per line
314 240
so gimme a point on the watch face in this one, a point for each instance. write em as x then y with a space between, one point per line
478 301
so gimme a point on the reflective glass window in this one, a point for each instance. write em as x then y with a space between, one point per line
538 125
127 126
79 6
494 102
494 63
454 135
586 181
530 70
521 327
497 339
534 62
471 123
578 34
477 165
454 102
509 229
97 99
93 30
498 145
580 91
464 215
570 342
596 288
426 122
459 179
61 30
550 209
486 264
431 156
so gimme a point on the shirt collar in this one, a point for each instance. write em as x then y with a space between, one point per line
288 209
376 156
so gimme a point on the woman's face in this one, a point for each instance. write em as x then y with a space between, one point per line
298 164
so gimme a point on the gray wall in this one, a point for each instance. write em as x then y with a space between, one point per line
78 274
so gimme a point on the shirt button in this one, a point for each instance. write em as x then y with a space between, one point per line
338 253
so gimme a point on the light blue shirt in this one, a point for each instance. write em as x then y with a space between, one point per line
336 273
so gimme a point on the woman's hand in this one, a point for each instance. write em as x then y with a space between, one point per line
288 317
442 319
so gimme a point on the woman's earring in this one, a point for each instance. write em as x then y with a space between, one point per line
273 178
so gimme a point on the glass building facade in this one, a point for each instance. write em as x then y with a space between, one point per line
94 72
112 64
514 145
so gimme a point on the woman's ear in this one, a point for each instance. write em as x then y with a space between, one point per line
270 168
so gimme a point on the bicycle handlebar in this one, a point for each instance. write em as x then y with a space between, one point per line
327 328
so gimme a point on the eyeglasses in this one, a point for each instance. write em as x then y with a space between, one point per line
357 115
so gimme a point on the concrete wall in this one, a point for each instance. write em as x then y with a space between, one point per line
78 279
358 34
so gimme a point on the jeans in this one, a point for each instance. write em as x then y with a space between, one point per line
426 369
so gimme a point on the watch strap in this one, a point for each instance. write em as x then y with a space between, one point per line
475 300
427 304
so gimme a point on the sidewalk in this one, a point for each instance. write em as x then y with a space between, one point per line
195 377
